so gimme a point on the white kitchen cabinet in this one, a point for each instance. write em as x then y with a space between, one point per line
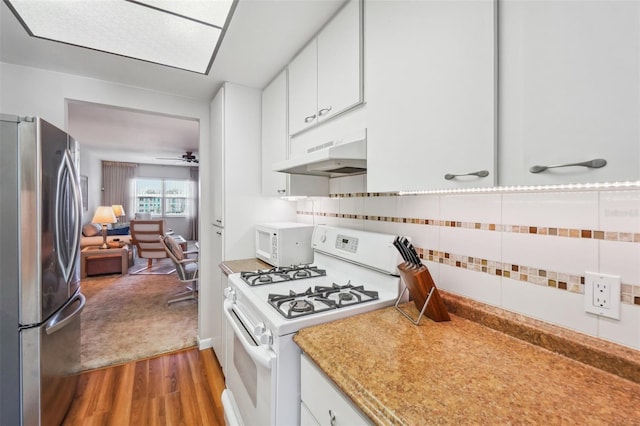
322 402
569 90
275 147
219 283
235 174
216 161
303 90
430 81
325 78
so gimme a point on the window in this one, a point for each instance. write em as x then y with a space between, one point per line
162 197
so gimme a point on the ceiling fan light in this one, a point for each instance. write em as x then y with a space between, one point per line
187 157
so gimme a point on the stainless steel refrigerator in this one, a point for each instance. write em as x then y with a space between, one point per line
40 298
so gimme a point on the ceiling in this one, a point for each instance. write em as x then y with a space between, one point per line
263 36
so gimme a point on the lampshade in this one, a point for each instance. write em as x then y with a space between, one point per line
104 214
118 210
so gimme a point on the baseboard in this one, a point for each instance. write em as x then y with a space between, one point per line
204 343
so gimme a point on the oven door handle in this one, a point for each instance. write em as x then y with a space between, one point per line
259 354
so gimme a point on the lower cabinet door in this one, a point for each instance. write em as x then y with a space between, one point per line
306 418
325 403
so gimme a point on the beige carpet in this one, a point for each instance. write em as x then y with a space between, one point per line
126 318
158 267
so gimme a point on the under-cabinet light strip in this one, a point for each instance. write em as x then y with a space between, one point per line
527 188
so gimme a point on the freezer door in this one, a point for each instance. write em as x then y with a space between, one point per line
50 365
50 220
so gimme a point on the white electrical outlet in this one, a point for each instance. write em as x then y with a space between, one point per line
602 294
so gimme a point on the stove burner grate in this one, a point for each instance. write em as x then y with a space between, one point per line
281 274
320 299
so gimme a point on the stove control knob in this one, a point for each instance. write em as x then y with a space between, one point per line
230 294
266 338
259 329
323 238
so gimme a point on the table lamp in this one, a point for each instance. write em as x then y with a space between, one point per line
103 216
118 210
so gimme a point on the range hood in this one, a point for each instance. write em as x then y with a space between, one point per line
332 159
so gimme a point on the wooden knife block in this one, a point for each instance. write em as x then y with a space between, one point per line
419 283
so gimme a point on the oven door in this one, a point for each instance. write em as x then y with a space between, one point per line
250 372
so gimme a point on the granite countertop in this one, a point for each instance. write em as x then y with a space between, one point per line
242 265
465 371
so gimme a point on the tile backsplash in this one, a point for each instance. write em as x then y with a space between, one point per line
525 252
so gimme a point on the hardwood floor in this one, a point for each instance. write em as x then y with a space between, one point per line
181 388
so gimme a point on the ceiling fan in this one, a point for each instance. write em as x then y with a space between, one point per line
187 157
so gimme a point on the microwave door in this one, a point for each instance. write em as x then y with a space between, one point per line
266 247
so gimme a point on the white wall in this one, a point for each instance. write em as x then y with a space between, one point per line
91 167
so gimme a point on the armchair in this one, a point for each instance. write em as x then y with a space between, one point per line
186 269
144 235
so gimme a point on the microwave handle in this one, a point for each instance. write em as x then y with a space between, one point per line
259 354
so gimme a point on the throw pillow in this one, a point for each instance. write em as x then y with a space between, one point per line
91 230
118 231
174 247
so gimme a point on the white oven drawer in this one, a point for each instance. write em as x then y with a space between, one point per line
326 403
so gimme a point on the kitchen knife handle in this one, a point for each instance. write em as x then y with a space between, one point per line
406 255
413 255
398 247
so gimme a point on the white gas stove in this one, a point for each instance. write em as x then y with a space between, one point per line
353 272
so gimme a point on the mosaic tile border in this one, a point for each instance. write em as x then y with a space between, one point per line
630 237
630 294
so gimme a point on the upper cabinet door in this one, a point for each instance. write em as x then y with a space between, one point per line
569 90
274 135
275 147
325 78
430 81
217 158
340 62
303 77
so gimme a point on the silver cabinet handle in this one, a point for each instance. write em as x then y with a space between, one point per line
218 232
282 191
310 118
324 111
479 173
332 418
592 164
67 222
218 220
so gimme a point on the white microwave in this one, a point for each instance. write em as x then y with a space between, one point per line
284 243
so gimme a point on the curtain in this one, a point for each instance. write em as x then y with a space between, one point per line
194 204
117 184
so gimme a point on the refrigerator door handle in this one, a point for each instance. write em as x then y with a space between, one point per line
57 323
67 174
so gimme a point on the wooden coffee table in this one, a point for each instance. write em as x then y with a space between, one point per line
97 261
